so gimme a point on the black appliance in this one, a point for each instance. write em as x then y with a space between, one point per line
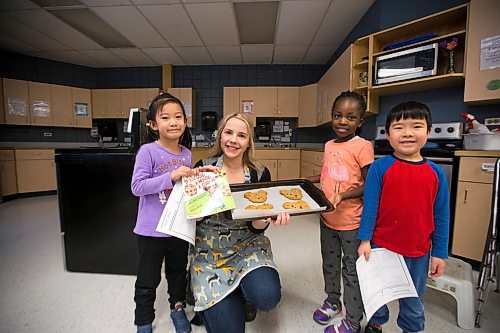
263 130
209 121
137 127
97 210
107 130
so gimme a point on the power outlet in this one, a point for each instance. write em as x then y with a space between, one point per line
492 121
47 134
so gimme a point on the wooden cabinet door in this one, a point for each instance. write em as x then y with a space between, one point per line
288 102
472 219
266 104
308 105
129 100
152 93
249 94
272 165
16 102
98 103
81 107
35 170
231 100
40 98
483 23
309 169
62 106
288 169
186 95
114 104
8 183
2 107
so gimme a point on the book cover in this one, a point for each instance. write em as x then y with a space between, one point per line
206 194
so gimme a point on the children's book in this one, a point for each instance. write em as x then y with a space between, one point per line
206 194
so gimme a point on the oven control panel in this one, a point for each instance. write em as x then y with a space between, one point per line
443 131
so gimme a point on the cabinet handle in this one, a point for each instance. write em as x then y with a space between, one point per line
465 195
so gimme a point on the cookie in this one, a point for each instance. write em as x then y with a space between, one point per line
263 206
292 194
257 197
190 189
299 204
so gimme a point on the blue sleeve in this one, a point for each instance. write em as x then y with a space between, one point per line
143 182
371 198
440 236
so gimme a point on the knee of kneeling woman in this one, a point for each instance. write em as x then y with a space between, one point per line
268 299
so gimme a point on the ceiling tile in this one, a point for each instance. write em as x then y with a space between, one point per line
20 31
164 55
133 56
257 54
173 23
50 25
13 45
155 2
215 23
128 21
17 4
225 54
319 54
298 21
107 58
74 57
100 3
193 1
340 19
194 55
289 54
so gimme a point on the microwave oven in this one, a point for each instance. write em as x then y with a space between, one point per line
407 64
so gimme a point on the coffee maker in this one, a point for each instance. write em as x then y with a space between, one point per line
137 128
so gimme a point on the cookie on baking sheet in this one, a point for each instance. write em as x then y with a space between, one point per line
257 197
292 194
299 204
263 206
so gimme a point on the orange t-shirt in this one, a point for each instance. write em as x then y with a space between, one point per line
341 172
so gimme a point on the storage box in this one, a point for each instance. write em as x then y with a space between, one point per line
484 141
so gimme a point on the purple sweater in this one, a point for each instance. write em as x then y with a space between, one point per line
151 182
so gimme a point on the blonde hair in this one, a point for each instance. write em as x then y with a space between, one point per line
248 156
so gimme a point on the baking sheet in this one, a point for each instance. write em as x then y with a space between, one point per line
310 194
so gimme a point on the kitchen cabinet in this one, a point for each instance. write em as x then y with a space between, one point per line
188 98
40 103
249 95
81 107
199 153
483 23
309 112
2 107
361 75
8 184
107 103
473 207
35 170
282 163
16 102
62 114
277 102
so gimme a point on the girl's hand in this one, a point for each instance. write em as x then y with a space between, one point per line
281 219
336 199
209 168
365 249
437 267
181 171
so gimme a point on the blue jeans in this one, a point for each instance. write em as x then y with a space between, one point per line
261 287
411 316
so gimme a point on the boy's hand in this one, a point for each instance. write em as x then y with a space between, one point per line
336 199
364 249
437 267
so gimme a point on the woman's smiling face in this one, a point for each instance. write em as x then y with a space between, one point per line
234 139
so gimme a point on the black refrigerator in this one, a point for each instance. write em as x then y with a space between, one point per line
97 210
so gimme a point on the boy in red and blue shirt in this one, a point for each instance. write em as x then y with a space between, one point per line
406 210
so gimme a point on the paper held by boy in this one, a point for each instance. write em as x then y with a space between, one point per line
382 279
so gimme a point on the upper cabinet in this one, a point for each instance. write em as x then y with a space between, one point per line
309 112
188 98
116 103
482 84
16 102
81 107
2 107
41 109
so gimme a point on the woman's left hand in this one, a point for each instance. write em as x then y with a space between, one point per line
281 219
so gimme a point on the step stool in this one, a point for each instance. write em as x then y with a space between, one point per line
457 281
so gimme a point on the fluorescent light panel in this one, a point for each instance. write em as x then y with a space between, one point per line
256 21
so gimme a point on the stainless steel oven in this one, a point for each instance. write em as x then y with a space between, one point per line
440 148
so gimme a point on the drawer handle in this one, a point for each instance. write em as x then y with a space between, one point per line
488 167
465 195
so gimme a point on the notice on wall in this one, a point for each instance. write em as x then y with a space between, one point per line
247 106
490 53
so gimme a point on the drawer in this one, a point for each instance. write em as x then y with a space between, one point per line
470 169
7 155
34 154
277 154
314 157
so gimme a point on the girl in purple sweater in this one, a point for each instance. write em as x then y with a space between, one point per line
164 159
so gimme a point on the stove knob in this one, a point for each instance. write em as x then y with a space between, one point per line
451 129
437 130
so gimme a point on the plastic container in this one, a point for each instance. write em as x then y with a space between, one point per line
483 141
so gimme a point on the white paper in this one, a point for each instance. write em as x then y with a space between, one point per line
173 220
382 279
490 53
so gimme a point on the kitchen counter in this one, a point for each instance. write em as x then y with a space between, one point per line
477 153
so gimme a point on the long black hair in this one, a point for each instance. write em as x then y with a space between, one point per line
355 96
156 105
409 110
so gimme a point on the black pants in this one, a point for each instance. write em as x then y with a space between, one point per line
152 252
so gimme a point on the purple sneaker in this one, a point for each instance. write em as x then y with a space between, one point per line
344 326
327 312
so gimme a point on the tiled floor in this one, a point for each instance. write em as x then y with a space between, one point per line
38 295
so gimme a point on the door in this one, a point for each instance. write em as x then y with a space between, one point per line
62 106
81 107
288 169
266 102
248 95
272 165
231 100
16 102
40 97
288 101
